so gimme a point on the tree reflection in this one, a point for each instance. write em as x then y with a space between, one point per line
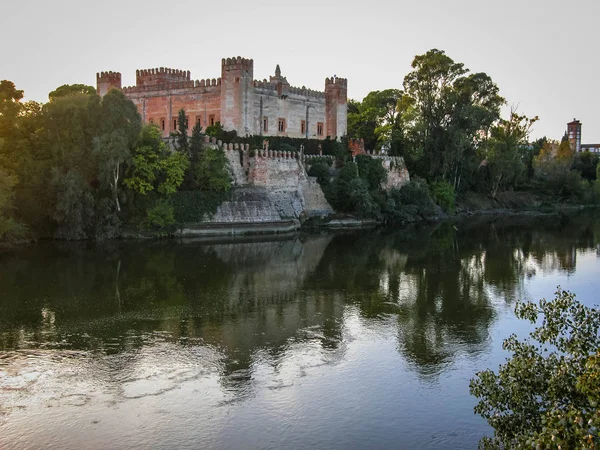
254 301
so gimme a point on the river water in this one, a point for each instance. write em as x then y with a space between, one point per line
365 339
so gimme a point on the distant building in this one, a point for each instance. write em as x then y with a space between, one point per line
574 136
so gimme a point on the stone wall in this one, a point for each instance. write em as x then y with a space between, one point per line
274 169
308 107
398 174
269 186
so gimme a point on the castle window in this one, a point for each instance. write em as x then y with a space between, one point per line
211 120
320 129
265 124
174 124
198 121
281 125
303 127
162 124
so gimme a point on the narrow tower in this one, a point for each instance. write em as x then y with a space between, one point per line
105 81
574 135
336 104
237 76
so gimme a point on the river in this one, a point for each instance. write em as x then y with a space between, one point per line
364 339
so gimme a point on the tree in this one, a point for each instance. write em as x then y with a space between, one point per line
449 113
10 106
10 229
182 141
546 395
504 152
154 167
565 152
112 151
585 163
376 118
120 127
212 172
372 171
71 89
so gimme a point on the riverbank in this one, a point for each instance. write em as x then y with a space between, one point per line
505 204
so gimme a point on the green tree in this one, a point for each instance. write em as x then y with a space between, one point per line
321 171
154 167
376 119
212 173
565 152
112 152
585 163
372 171
504 152
448 115
120 127
74 210
338 193
182 139
10 229
173 167
71 89
10 107
546 395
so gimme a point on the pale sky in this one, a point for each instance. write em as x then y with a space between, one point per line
543 54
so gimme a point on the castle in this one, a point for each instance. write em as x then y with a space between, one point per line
236 100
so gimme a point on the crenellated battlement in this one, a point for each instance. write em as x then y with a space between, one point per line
237 63
311 159
341 82
279 154
191 84
110 76
105 81
160 76
302 91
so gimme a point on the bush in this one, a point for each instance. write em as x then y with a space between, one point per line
321 171
372 171
443 194
360 200
411 202
160 216
546 395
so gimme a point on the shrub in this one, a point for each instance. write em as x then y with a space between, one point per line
409 203
161 215
360 200
443 194
372 171
320 170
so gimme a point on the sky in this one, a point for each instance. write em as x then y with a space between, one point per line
543 54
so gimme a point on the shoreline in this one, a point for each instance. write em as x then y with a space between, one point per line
286 228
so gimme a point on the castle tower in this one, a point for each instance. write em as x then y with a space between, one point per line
105 81
237 76
336 104
574 135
